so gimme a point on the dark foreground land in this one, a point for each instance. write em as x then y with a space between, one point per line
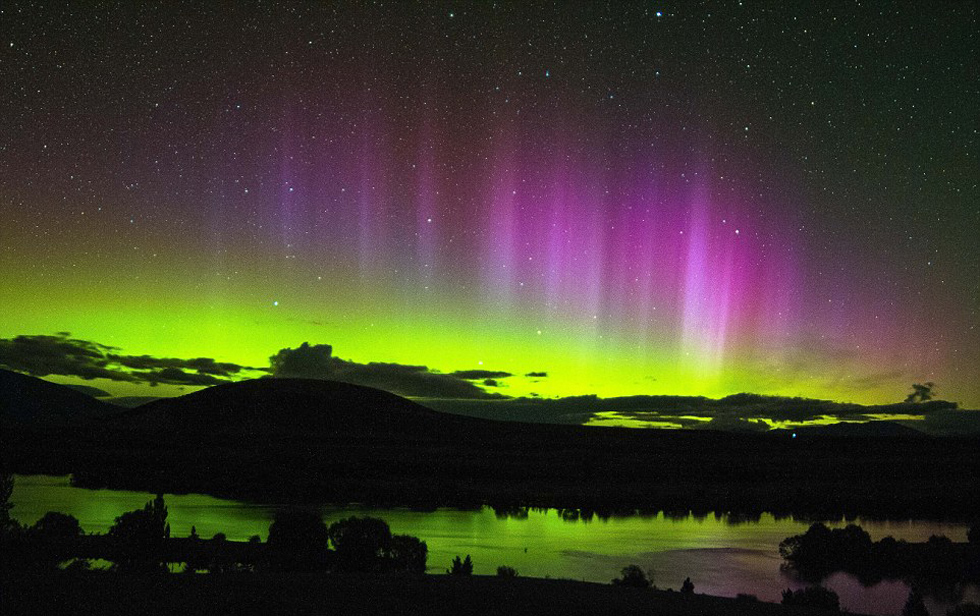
292 440
428 595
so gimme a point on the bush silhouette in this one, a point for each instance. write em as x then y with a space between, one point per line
812 596
137 538
461 567
506 572
965 609
633 576
297 542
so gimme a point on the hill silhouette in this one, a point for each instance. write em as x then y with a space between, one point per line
27 400
264 407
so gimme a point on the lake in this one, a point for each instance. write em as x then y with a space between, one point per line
722 556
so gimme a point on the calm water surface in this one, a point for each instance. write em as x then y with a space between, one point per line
721 557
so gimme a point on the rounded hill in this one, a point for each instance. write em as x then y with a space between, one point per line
280 405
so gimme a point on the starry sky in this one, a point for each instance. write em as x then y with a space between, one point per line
694 198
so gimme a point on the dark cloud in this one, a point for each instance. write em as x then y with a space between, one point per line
537 374
59 355
475 375
202 365
317 362
63 355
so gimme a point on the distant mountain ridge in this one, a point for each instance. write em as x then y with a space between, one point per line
28 400
855 429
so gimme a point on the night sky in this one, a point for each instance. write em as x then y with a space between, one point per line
657 197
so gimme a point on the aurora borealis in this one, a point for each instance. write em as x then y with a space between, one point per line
635 198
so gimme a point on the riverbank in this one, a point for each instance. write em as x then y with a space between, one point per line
432 595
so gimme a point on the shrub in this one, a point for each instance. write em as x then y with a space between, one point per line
506 572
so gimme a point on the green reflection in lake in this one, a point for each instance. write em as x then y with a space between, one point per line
722 558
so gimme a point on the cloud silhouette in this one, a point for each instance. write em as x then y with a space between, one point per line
62 355
537 374
318 362
476 375
59 355
201 365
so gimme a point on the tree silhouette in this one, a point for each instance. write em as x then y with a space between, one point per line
297 541
973 535
196 560
14 549
921 392
461 567
361 543
138 537
506 572
54 537
633 576
218 558
687 587
408 553
6 489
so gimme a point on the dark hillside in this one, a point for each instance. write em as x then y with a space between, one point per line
29 400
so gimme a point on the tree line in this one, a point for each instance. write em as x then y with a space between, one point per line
140 541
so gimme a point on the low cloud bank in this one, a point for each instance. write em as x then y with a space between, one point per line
63 355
